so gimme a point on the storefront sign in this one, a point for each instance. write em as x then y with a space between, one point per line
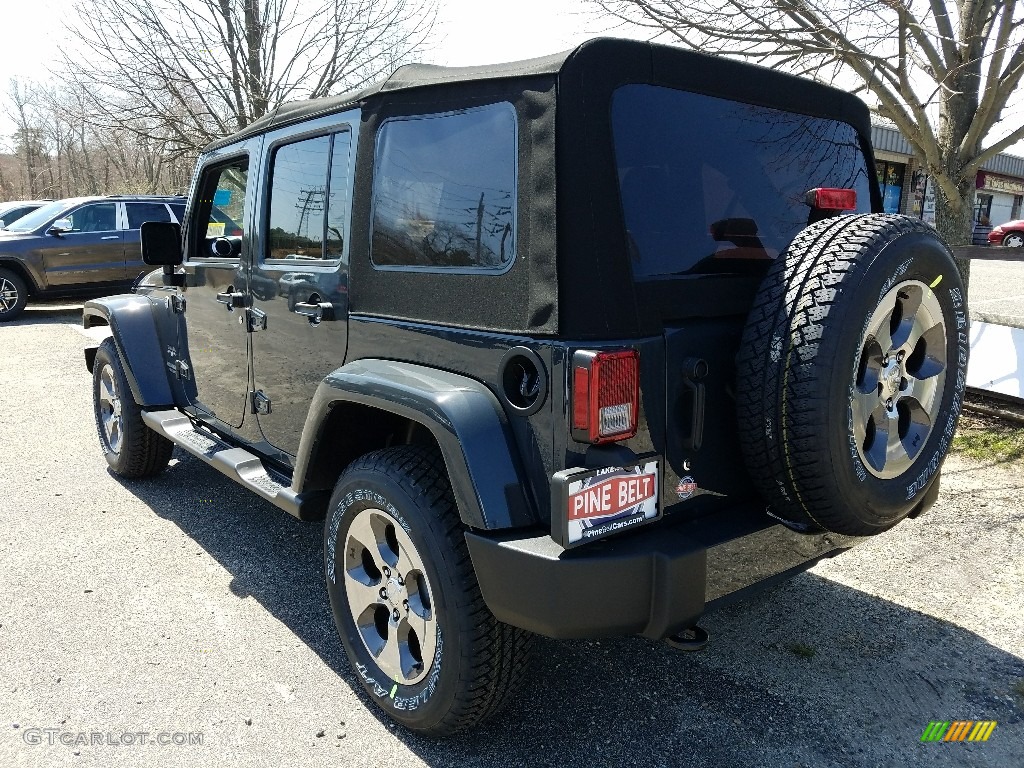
990 183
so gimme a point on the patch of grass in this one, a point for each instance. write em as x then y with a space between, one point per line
990 442
801 650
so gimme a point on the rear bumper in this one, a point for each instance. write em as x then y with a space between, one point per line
653 582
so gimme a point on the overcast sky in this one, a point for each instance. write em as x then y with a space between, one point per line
468 32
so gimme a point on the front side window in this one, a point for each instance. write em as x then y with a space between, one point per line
444 191
713 185
99 217
220 212
141 212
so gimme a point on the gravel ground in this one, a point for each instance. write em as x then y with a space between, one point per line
185 604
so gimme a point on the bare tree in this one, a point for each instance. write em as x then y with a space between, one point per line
28 137
191 71
942 70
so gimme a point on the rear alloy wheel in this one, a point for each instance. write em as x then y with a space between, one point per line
13 295
389 596
405 600
1014 240
851 373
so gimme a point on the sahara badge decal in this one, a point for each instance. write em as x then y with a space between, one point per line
596 503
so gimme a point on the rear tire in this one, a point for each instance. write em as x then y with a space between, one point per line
405 600
13 295
130 447
851 372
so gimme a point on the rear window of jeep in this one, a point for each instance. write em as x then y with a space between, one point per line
712 185
444 191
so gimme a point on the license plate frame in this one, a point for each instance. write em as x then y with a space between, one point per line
592 504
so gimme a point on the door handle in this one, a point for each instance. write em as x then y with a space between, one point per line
111 237
315 312
231 298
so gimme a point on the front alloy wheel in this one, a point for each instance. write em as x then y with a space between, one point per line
1014 240
130 447
13 295
109 409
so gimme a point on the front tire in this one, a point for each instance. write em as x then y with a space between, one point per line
13 295
1014 240
405 599
130 447
851 373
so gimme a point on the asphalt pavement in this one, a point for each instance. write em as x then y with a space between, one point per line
997 287
184 609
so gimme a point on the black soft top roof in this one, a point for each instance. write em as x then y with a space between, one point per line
763 85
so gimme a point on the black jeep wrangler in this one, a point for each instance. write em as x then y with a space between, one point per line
578 346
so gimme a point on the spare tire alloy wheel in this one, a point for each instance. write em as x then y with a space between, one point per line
851 373
13 295
405 600
1014 240
900 379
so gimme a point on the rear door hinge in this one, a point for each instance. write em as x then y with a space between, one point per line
178 304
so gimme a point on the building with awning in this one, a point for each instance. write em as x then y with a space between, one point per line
906 187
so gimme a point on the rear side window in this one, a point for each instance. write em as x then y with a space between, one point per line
140 212
309 199
711 185
444 191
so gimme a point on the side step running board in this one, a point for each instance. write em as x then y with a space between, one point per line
237 463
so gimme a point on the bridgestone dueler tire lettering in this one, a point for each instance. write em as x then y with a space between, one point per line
479 661
143 452
799 358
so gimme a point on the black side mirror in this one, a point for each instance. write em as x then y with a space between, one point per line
161 243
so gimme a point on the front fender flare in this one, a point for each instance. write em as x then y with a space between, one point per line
463 416
133 327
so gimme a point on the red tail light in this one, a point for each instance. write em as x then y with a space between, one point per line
605 395
827 199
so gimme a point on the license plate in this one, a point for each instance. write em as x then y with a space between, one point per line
589 504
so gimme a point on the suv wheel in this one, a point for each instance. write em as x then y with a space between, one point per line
405 599
851 372
131 448
13 295
1013 240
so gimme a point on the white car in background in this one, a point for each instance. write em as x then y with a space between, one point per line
13 210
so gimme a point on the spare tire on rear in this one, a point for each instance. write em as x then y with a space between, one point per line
851 372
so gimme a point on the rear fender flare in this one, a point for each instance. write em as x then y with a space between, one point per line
464 418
